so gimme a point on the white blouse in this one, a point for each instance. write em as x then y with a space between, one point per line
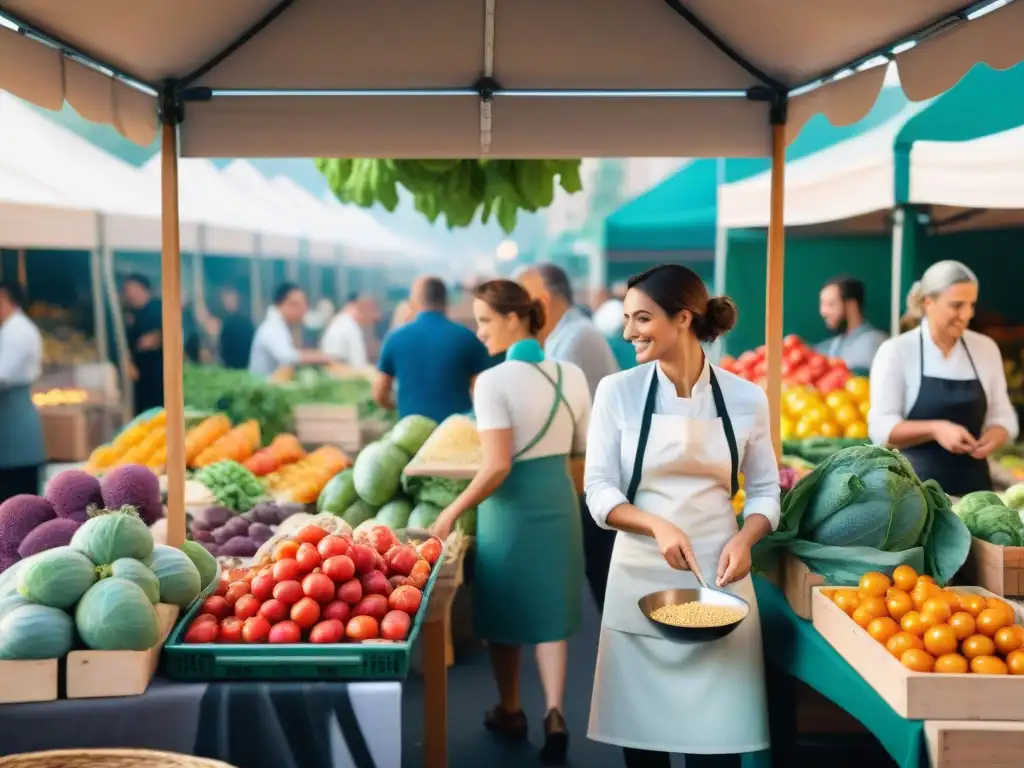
896 379
515 395
615 426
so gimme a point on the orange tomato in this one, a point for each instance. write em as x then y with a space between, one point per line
1015 663
847 600
1020 632
940 640
912 623
898 603
901 642
995 604
904 577
952 599
951 664
917 660
874 584
1007 640
937 607
926 577
973 604
977 645
991 620
285 550
923 592
882 629
829 593
988 665
962 624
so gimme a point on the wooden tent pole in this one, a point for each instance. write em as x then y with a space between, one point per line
174 400
773 299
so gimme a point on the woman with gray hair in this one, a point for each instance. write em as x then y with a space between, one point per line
938 390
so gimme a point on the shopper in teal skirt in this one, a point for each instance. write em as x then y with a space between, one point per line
532 415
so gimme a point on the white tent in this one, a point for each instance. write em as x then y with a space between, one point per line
271 232
852 182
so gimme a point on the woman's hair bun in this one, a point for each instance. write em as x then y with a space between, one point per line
536 317
719 318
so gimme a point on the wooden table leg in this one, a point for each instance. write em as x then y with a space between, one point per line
436 639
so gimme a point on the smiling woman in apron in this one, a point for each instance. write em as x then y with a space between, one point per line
532 415
938 391
667 442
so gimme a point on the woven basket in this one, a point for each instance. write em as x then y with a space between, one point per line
107 758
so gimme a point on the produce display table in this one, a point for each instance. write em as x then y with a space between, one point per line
249 725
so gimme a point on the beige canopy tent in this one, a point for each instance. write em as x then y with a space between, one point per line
461 78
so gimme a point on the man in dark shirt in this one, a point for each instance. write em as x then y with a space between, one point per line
433 359
145 343
236 332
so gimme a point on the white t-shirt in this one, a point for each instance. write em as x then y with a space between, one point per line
515 395
272 346
21 351
344 341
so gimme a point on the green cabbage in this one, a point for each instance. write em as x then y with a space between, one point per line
864 508
1015 496
995 523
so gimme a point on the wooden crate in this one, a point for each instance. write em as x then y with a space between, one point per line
918 695
798 583
328 425
974 744
70 432
35 680
997 569
98 674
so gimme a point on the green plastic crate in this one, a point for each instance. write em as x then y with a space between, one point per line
293 661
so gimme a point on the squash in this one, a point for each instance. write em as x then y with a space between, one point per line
180 582
204 562
57 577
9 602
135 572
378 472
111 536
116 615
35 632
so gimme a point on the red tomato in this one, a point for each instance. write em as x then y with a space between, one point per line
235 590
305 613
309 534
202 632
262 587
405 598
215 605
307 557
351 591
331 546
372 605
361 628
247 607
337 609
319 587
747 359
206 617
231 630
329 631
286 570
222 588
274 611
395 625
255 629
288 592
338 568
285 549
285 632
795 356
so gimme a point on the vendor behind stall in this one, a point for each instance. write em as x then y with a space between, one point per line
145 343
841 304
22 454
273 346
938 391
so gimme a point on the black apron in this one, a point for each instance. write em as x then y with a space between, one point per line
645 431
962 402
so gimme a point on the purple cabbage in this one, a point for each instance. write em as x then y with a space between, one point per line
136 486
50 535
72 492
19 516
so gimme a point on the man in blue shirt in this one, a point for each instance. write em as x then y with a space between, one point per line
433 359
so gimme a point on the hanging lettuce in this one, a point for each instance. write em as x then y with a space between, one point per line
457 190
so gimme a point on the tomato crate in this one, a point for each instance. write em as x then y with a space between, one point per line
371 660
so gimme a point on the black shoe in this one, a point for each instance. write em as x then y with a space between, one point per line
511 725
556 739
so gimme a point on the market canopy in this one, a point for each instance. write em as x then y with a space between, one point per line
459 78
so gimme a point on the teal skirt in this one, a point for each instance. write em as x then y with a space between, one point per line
528 575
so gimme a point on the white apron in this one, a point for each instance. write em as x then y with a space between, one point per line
670 696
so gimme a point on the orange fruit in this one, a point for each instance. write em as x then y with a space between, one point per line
937 607
898 603
1020 632
830 429
962 624
923 592
882 629
951 664
901 642
829 593
940 640
874 584
926 577
977 645
904 577
864 408
1007 640
917 660
995 604
988 665
991 620
952 599
911 623
845 414
847 600
973 604
1015 663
